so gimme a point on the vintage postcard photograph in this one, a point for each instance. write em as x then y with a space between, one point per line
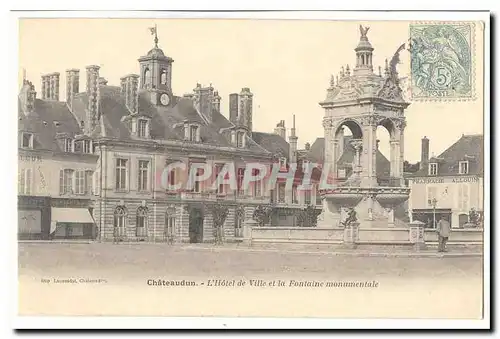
330 166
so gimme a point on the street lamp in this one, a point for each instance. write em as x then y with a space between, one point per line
433 203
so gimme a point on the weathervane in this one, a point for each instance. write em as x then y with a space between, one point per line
154 32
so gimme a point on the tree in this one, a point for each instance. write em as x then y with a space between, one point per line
262 214
219 214
474 218
308 217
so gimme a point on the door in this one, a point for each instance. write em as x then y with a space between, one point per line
195 226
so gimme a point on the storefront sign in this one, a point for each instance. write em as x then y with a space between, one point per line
31 158
442 180
75 203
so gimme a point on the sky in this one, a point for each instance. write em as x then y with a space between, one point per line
287 64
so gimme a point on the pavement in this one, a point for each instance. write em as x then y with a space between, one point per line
361 251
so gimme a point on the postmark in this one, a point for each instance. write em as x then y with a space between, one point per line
442 61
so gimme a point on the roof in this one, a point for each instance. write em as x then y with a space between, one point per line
316 154
48 119
273 143
468 147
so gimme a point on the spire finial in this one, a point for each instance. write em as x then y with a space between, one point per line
154 31
332 81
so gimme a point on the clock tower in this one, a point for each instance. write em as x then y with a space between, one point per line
156 74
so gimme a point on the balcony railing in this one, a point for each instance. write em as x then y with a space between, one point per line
390 182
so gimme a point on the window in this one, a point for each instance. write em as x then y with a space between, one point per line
281 192
25 181
240 175
143 175
121 174
143 128
272 196
240 136
68 145
66 181
431 196
307 197
463 197
193 133
27 140
294 195
433 168
220 185
80 182
163 77
197 184
257 185
87 146
282 163
89 177
170 226
171 177
142 220
463 167
119 221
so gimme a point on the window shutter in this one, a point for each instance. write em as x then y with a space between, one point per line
28 181
61 182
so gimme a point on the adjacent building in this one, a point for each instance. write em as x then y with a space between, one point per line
451 184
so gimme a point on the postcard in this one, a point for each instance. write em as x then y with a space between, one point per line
237 166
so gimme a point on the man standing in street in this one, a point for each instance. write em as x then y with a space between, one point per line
443 229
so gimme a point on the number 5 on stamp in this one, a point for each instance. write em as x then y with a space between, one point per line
442 56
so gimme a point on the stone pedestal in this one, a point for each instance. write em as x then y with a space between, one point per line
417 235
247 231
351 235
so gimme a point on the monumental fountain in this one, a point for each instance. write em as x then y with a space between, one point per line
362 100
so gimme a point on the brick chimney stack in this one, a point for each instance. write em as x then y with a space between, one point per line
93 98
424 159
233 108
130 89
72 85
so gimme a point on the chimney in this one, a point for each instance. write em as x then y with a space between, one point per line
292 140
233 108
45 87
424 159
93 98
27 97
246 100
54 86
204 97
280 129
72 85
130 89
307 146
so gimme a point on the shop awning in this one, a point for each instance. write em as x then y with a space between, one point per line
72 215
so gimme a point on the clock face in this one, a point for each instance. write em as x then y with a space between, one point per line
165 99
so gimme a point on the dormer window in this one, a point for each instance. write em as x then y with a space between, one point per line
433 168
463 167
68 145
142 128
87 146
27 140
193 133
282 163
240 139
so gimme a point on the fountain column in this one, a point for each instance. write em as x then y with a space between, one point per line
369 152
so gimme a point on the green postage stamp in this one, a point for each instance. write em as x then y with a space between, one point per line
442 61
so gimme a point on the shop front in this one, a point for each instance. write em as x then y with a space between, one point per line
430 216
72 219
33 215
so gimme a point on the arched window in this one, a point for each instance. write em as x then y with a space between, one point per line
163 77
120 219
463 219
147 77
141 222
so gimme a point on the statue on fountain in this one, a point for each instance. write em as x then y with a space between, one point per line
350 219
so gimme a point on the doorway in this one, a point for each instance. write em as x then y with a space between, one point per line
196 226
